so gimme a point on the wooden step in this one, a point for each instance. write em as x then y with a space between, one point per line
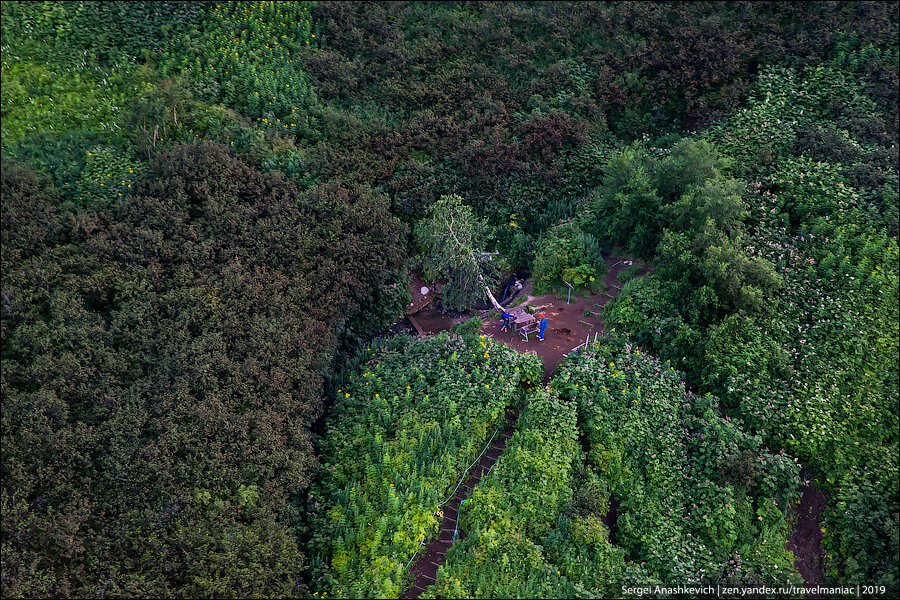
425 301
416 325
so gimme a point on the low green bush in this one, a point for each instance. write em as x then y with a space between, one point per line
566 254
472 326
406 423
108 175
40 99
629 273
251 60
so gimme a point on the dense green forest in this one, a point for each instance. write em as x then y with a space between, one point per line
209 214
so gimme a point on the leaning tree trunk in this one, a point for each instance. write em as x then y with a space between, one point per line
476 266
487 289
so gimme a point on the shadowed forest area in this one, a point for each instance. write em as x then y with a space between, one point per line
211 212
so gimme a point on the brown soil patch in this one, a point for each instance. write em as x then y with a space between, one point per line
611 519
806 541
567 327
429 318
416 284
432 321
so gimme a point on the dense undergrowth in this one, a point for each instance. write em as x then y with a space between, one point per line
808 359
408 420
207 210
701 501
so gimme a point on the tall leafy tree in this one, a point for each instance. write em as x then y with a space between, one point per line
163 360
452 240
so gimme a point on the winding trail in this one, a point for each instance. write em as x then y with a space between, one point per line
426 564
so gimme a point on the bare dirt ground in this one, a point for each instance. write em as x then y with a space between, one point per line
567 325
806 541
416 284
433 321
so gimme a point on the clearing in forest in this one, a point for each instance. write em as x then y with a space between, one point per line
568 324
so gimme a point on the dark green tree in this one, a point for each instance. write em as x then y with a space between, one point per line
163 362
452 240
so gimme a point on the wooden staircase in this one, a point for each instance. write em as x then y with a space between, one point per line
425 568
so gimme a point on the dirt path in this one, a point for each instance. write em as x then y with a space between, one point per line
806 540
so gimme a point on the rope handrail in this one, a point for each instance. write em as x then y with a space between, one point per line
456 527
488 445
413 556
461 479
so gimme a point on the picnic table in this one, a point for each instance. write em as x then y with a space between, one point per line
525 323
521 316
531 328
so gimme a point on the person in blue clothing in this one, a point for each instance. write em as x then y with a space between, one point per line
543 319
508 318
